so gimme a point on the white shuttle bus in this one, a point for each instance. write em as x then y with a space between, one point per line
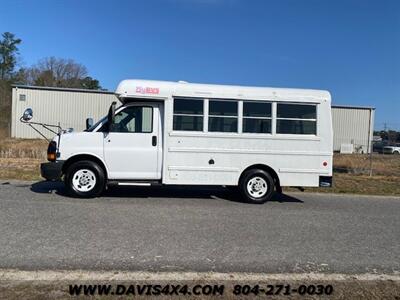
177 133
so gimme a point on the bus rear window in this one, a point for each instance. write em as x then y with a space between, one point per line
296 118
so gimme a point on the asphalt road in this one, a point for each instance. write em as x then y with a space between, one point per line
189 229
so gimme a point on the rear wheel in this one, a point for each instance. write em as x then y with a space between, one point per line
85 179
256 186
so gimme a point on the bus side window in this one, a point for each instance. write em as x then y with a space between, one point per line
257 117
223 116
296 118
188 114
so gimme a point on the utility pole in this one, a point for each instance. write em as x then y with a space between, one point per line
370 142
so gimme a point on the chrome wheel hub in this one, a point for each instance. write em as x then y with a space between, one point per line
257 187
84 180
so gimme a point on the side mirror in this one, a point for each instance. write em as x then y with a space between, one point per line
111 116
28 115
89 123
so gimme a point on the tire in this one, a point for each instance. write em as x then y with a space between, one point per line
396 152
84 179
256 186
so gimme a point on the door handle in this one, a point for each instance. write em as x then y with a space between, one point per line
154 140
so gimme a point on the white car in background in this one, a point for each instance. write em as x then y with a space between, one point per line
392 149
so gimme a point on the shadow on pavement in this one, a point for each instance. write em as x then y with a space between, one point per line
48 187
196 192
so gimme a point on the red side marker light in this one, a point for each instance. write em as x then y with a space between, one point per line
324 163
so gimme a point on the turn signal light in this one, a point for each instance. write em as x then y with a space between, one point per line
52 151
51 156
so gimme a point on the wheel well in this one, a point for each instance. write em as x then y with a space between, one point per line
81 157
266 169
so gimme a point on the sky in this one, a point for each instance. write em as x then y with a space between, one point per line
348 47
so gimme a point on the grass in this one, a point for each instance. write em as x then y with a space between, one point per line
23 148
20 159
20 168
359 164
360 184
352 175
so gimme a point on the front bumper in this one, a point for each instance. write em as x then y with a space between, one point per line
52 171
325 181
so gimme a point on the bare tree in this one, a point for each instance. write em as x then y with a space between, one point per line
57 72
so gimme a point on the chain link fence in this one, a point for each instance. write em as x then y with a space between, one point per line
364 157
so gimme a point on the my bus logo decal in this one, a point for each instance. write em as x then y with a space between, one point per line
147 90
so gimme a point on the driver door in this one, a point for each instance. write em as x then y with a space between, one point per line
131 148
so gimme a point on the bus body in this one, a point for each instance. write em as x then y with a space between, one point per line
198 134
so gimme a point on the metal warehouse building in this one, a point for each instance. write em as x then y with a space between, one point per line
353 128
70 107
352 125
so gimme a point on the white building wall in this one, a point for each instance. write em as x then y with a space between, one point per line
353 125
69 107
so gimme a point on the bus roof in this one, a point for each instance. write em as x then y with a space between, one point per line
152 89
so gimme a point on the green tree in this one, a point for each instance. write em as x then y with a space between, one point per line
90 83
8 55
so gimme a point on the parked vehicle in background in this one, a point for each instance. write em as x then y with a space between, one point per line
392 149
378 146
177 133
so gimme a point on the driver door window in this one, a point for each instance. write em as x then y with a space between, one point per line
137 119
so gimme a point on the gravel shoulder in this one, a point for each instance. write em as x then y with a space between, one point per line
16 284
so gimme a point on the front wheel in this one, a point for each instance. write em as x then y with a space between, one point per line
257 186
85 179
